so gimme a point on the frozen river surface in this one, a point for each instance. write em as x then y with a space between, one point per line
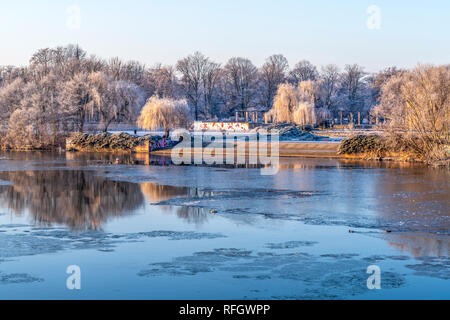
161 231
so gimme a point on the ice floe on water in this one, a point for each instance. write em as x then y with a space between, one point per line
290 244
315 277
436 267
14 278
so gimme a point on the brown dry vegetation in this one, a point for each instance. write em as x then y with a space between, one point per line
384 147
416 106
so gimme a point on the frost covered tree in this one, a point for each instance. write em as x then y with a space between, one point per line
39 119
295 104
114 100
305 112
303 71
198 77
11 97
131 71
21 129
62 61
329 77
162 81
285 102
272 73
41 98
164 113
210 79
76 97
351 90
377 80
416 106
241 78
10 73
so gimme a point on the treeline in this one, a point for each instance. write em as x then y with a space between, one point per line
64 88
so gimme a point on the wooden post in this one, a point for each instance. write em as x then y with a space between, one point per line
237 118
340 114
246 116
351 118
359 118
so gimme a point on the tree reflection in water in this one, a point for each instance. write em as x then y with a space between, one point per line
78 199
156 193
421 245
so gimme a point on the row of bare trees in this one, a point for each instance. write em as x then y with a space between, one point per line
214 90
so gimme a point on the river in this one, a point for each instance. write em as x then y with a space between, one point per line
160 231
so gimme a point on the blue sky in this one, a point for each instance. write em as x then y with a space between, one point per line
322 31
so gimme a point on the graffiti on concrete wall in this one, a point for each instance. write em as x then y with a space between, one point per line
221 126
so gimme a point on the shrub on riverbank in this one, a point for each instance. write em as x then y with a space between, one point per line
391 146
106 140
371 145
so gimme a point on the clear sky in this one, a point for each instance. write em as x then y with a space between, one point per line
150 31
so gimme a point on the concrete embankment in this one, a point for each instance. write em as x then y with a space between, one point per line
285 149
106 142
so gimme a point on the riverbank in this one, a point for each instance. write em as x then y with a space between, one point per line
375 147
359 147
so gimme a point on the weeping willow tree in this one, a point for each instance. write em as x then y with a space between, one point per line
294 104
164 112
304 114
